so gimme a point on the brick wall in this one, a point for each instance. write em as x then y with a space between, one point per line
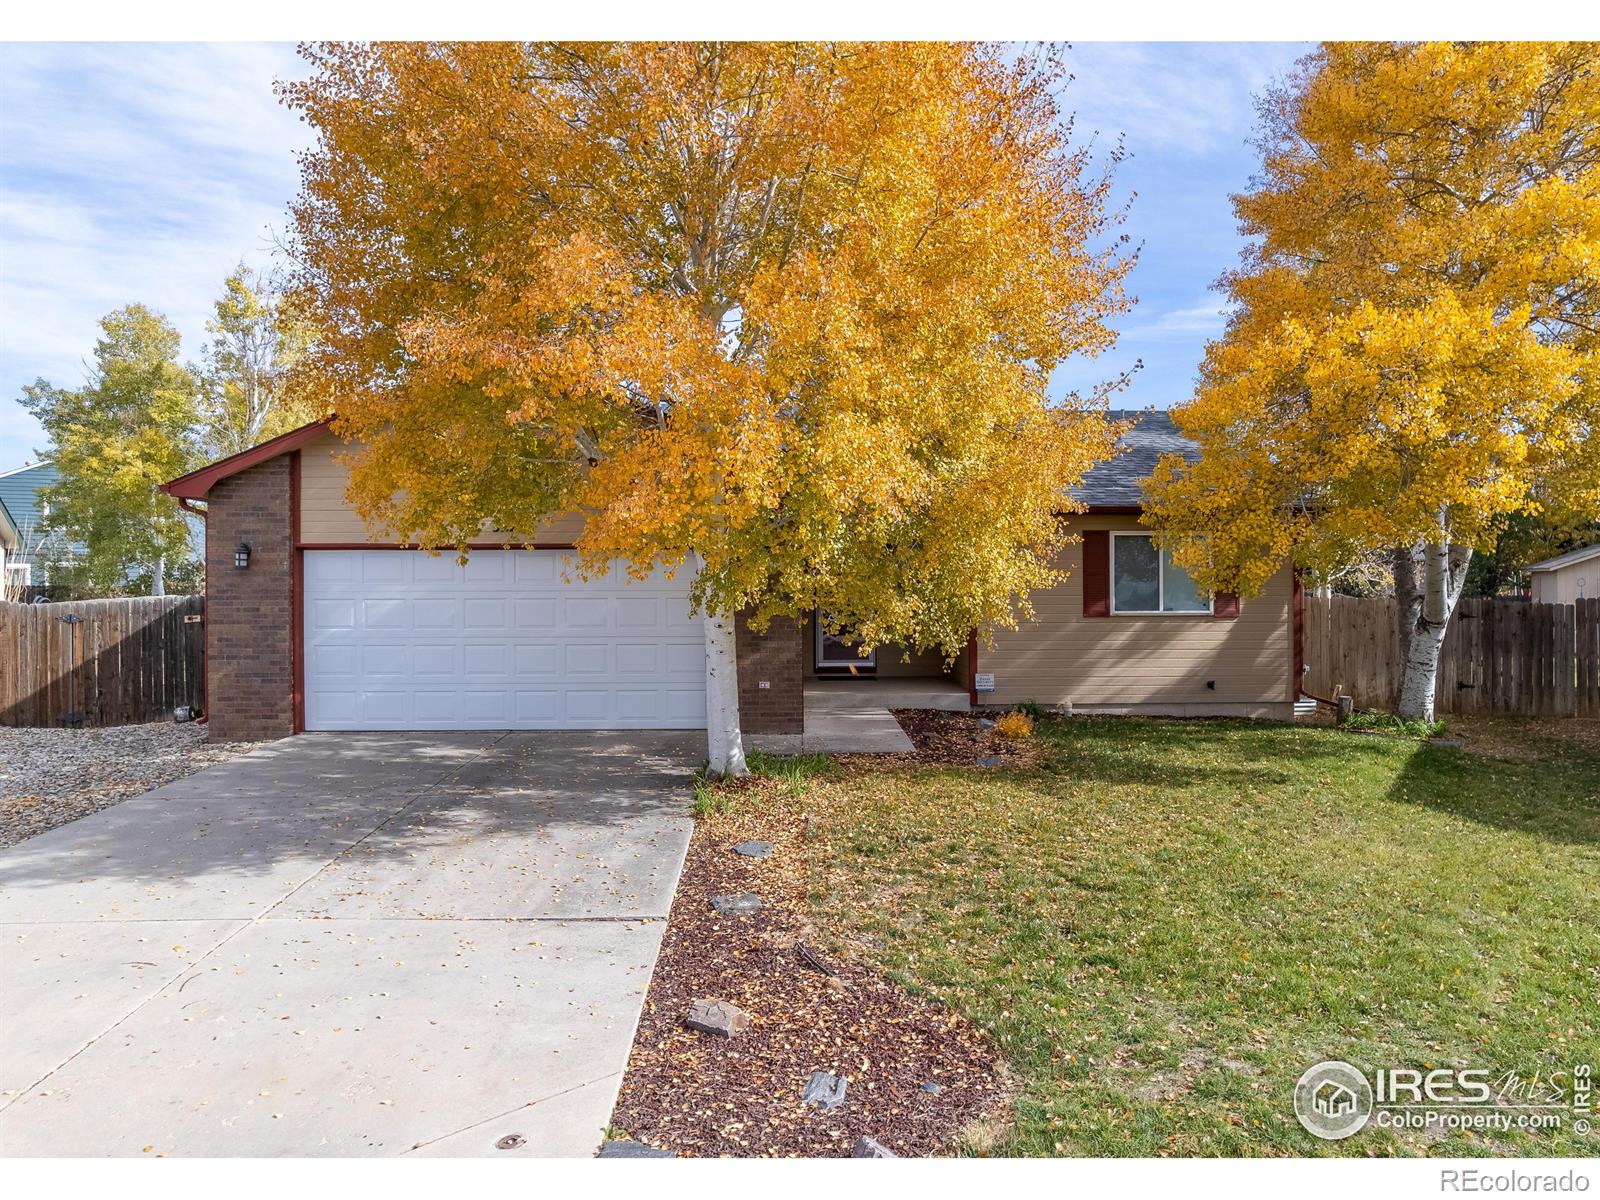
249 615
776 657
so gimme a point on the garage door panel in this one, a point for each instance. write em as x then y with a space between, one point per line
399 640
485 658
435 612
386 614
586 612
536 568
687 706
485 612
539 709
331 615
486 569
536 613
537 660
380 659
381 566
433 660
425 568
636 658
587 658
587 708
384 706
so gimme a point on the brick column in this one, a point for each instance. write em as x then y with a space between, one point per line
771 677
250 612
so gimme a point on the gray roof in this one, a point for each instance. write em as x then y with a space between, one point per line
1566 560
1116 481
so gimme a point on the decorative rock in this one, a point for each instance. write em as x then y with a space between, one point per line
740 904
753 849
623 1148
826 1090
985 723
717 1017
989 760
932 1088
866 1147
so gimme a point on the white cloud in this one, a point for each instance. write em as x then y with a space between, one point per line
1184 99
132 172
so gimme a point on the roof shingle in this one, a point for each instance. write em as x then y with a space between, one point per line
1116 481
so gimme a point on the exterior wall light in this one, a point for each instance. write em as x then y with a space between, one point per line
241 556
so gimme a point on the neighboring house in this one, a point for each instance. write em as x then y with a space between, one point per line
1567 578
12 572
325 628
19 492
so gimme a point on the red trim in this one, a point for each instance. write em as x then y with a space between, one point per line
1096 572
1298 610
1225 606
299 545
297 592
1110 510
196 484
972 668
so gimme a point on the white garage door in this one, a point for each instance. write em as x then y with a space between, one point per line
398 639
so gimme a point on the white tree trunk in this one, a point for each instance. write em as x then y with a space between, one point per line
1427 584
725 743
159 586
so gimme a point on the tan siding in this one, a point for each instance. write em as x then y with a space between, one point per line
326 516
1150 663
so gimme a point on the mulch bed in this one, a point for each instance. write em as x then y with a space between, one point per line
959 739
701 1095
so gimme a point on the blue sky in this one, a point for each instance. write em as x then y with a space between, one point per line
145 172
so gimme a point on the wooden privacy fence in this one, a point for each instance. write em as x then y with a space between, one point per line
101 662
1499 656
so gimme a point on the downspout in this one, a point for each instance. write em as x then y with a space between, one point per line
189 505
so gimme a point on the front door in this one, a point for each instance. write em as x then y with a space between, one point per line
838 652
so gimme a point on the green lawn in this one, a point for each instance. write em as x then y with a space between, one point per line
1165 923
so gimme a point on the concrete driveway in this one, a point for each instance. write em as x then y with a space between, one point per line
344 944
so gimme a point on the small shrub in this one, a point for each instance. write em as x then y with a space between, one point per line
1015 724
1389 723
1034 710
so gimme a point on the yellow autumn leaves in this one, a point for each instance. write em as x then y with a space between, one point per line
1413 351
790 307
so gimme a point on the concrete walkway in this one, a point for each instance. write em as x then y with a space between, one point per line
853 716
344 944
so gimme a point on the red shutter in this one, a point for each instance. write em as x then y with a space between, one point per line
1096 573
1225 605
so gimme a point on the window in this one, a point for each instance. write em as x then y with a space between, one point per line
1146 580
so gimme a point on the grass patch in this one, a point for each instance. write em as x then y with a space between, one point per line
793 771
1389 723
1164 923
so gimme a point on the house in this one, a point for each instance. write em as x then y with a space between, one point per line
313 625
19 492
12 573
1567 578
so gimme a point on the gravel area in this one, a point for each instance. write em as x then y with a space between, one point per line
920 1080
49 777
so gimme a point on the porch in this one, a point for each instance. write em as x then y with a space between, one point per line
851 714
